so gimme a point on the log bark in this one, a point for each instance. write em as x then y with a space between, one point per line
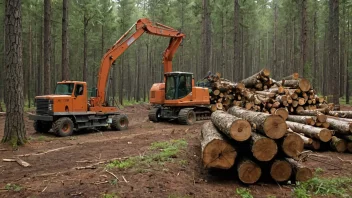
234 127
300 172
303 84
313 132
272 126
341 114
292 145
280 170
341 127
216 151
306 140
251 81
301 119
338 144
248 171
320 116
263 148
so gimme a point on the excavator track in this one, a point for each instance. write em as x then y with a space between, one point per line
187 116
154 114
203 115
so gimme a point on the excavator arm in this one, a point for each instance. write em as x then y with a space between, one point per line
121 45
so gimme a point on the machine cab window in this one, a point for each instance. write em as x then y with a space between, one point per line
79 90
178 85
64 89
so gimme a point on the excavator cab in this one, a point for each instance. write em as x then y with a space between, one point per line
178 85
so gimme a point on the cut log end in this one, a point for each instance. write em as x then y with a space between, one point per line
338 144
275 127
241 130
219 154
325 135
292 145
264 149
304 85
248 171
349 147
281 170
304 174
282 112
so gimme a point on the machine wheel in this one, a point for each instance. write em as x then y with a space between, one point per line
41 127
119 122
63 127
187 116
155 115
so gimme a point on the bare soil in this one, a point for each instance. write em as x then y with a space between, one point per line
55 173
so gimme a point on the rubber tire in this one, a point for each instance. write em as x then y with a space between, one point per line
184 116
41 127
153 115
58 127
117 121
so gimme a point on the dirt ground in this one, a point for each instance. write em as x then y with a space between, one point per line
55 173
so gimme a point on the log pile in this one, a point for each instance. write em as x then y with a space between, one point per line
261 93
293 99
253 143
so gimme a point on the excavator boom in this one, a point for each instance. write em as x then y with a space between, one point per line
142 25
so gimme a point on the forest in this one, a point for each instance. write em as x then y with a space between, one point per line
235 38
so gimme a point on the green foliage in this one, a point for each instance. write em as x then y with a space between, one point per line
318 171
110 195
159 152
244 192
13 187
178 196
337 187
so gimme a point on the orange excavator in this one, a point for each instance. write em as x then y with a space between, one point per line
69 108
177 98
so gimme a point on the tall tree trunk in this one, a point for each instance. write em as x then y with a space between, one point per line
47 46
14 132
65 68
138 70
315 54
347 64
85 46
274 66
206 45
304 45
342 52
30 65
236 43
334 50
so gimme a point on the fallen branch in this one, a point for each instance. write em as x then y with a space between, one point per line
112 174
18 160
45 152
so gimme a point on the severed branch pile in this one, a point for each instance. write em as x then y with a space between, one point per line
267 125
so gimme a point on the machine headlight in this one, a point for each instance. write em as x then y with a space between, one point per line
50 107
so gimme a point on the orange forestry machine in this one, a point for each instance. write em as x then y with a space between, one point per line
178 98
69 108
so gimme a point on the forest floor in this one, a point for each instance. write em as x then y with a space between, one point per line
160 160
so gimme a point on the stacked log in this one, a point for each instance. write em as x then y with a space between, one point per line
263 125
261 93
253 143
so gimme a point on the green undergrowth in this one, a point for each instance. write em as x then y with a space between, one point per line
244 193
317 186
158 152
13 187
110 195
